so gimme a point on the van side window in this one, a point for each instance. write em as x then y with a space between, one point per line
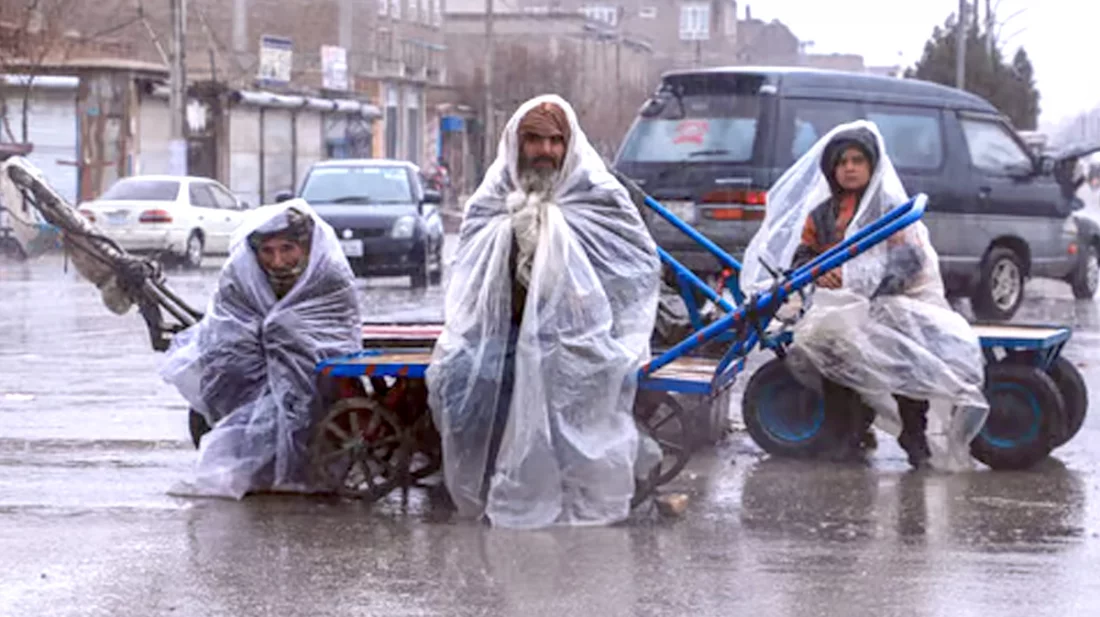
806 121
992 148
913 137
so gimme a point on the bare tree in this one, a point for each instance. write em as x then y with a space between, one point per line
605 105
37 33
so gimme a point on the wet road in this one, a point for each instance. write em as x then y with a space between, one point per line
91 441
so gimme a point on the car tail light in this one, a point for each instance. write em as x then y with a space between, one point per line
88 215
155 216
735 204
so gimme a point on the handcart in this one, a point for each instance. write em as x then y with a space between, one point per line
378 435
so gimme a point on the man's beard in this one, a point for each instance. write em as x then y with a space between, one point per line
283 280
538 180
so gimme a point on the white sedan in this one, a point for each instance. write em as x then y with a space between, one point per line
183 217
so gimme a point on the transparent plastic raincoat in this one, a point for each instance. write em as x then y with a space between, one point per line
569 448
907 341
247 367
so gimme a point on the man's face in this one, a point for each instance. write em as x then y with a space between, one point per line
279 255
542 153
853 170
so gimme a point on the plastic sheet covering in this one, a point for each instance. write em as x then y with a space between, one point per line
904 339
247 367
570 446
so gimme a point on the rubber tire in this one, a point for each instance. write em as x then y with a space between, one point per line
712 423
197 425
1047 401
1075 393
419 276
981 301
185 259
819 439
435 278
1082 290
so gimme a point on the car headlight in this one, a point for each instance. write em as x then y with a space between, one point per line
403 228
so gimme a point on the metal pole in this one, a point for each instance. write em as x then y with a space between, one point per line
177 147
960 46
989 29
490 131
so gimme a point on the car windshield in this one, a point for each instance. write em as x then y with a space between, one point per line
135 189
365 185
700 119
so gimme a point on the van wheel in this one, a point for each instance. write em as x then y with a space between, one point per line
1001 286
1086 277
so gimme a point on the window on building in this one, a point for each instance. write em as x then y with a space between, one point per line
913 137
392 121
602 12
648 12
695 21
413 130
437 17
383 7
395 9
414 10
731 18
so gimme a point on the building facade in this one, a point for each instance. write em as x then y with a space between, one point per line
273 84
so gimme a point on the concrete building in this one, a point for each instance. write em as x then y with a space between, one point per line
682 33
602 71
275 84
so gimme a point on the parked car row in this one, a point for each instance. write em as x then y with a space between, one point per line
387 222
709 143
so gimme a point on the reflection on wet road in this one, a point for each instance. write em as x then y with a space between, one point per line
91 440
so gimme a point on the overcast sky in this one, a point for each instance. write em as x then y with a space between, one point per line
1058 35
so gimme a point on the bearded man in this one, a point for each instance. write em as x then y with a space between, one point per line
549 311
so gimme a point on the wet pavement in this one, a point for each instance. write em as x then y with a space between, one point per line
91 441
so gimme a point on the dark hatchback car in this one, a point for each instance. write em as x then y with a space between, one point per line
387 222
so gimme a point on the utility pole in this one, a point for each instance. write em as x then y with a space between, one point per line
177 148
989 29
490 133
960 46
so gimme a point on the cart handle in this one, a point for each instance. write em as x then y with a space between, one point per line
762 306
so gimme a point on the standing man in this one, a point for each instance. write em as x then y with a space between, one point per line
550 309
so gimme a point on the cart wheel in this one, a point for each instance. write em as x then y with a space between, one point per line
198 426
712 423
1026 417
784 417
361 449
661 416
1075 393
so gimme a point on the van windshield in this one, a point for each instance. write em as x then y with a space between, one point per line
702 118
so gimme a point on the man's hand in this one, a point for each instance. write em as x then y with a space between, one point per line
829 280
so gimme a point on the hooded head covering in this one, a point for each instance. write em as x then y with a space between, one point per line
546 119
296 226
860 138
